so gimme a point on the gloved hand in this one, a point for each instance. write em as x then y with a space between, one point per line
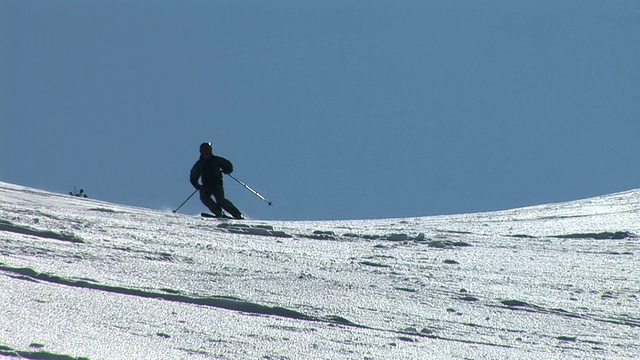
197 186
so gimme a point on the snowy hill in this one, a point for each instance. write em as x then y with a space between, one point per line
81 278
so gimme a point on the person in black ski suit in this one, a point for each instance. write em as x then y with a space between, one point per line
210 168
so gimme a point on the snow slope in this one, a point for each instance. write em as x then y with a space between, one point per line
81 278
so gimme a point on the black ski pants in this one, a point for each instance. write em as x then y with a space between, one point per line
220 203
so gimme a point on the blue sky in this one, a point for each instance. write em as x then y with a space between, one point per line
332 109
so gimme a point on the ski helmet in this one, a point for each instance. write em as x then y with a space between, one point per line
206 147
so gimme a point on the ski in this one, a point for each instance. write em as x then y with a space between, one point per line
223 217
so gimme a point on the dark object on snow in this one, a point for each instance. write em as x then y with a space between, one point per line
80 193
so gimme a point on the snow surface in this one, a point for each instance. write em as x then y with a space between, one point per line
81 278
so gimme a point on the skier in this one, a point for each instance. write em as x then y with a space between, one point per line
210 168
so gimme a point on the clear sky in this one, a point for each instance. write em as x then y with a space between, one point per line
332 109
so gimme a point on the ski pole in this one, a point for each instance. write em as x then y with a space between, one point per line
250 189
185 201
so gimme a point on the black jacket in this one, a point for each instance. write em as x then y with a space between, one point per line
210 170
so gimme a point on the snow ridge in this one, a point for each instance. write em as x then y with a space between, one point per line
219 302
25 230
